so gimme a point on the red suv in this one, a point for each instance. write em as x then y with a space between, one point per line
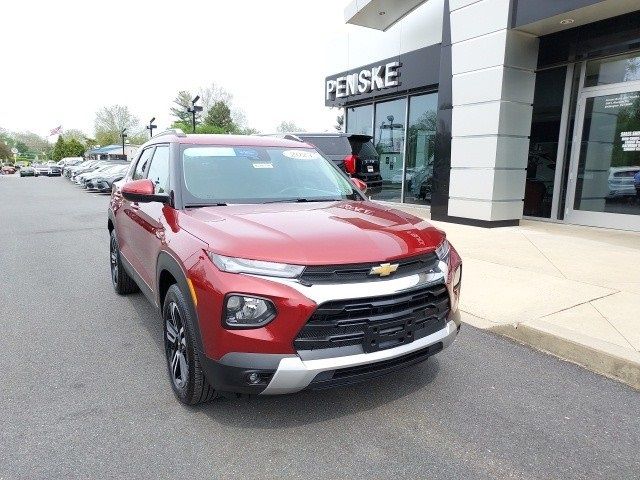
271 270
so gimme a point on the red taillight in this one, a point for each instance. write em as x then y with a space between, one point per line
350 163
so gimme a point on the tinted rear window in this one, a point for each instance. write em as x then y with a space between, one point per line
329 145
363 149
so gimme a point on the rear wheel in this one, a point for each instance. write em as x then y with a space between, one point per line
120 279
183 362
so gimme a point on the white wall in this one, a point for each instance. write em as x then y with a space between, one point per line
353 46
493 84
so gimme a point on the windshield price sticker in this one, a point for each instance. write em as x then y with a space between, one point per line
210 152
262 165
301 154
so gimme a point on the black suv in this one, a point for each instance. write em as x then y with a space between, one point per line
353 153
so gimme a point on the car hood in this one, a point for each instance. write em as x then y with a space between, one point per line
311 233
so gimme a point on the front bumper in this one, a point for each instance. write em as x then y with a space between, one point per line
294 374
286 373
229 357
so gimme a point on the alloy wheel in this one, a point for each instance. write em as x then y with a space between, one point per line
176 346
114 260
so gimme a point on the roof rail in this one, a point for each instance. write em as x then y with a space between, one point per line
172 131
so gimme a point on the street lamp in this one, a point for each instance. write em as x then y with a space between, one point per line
123 134
193 110
151 126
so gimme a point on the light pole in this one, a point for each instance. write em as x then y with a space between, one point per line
151 126
193 110
123 134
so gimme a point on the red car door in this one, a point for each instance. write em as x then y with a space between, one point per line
127 214
148 235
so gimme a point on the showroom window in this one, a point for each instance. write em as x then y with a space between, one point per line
421 146
389 133
360 119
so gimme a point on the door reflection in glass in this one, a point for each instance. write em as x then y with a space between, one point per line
609 163
389 142
421 148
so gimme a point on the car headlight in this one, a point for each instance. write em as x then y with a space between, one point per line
256 267
241 311
443 251
457 277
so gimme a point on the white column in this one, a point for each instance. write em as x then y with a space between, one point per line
493 84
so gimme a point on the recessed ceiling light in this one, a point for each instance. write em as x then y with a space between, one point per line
382 13
567 21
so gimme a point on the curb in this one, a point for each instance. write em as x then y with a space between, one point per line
598 356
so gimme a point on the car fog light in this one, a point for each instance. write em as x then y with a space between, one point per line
248 312
253 377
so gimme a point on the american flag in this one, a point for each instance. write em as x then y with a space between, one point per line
56 131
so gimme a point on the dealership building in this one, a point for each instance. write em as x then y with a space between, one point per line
488 111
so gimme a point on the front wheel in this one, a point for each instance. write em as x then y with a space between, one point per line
120 279
183 362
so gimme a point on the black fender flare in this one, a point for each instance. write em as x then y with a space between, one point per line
166 262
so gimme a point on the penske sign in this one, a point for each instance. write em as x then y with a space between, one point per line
367 80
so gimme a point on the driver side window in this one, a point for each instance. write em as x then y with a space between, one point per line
142 164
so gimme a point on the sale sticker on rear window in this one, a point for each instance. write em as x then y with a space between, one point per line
301 154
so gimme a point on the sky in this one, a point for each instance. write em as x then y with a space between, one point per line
61 61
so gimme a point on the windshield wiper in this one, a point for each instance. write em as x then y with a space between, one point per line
200 205
302 200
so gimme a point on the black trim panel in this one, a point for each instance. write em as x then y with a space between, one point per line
419 68
529 11
472 222
442 159
168 263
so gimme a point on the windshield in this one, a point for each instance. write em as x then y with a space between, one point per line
261 175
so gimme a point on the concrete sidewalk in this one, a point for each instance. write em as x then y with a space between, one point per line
569 290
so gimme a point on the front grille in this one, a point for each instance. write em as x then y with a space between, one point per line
360 272
376 323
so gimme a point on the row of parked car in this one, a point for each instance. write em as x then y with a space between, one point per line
48 169
96 175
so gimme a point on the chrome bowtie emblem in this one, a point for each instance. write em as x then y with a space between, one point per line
384 269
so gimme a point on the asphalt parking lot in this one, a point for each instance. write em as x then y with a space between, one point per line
85 393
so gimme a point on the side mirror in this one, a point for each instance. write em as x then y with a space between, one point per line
359 184
142 191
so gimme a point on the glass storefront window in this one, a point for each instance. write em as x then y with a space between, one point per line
609 161
389 135
421 139
623 68
543 146
360 119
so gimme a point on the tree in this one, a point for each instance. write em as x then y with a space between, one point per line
75 134
182 102
200 128
35 144
109 124
59 149
288 126
74 148
5 151
209 97
219 115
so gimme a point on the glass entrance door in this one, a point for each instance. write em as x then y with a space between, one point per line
604 182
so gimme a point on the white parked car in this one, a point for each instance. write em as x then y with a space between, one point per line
621 181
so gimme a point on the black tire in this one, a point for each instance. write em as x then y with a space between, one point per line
187 378
122 283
